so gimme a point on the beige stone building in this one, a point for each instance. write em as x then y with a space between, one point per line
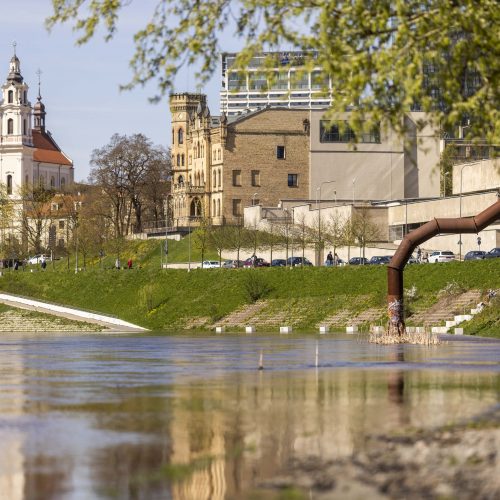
221 166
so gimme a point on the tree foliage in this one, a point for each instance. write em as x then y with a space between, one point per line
384 56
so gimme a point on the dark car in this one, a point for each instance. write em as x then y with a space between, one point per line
255 262
474 255
358 261
298 261
278 263
232 264
494 252
380 259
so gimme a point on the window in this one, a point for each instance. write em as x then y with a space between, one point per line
293 180
237 208
173 136
10 97
63 182
26 179
215 179
180 136
220 178
218 207
182 160
180 179
236 177
214 212
61 224
10 126
25 97
24 126
52 182
255 177
9 184
341 132
178 160
280 152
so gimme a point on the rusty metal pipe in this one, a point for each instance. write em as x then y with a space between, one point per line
395 304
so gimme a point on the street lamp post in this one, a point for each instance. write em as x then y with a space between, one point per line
460 207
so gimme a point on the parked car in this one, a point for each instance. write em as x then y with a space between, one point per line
232 264
494 252
298 261
210 264
256 262
358 261
37 259
414 260
475 255
278 263
441 256
380 259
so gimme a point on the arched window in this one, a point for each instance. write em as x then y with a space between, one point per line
202 178
182 160
190 179
25 97
218 154
9 184
173 137
27 180
24 127
215 179
180 136
214 211
10 97
63 182
52 182
220 178
218 207
180 179
10 126
178 160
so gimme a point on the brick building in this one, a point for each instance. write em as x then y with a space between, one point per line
220 165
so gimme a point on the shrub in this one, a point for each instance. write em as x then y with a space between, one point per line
149 297
255 286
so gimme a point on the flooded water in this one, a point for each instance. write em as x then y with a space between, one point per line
187 417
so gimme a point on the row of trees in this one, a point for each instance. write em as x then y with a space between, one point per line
128 185
334 231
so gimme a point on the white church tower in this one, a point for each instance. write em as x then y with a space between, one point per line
16 142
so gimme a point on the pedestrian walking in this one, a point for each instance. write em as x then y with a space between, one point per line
43 262
419 255
117 263
129 264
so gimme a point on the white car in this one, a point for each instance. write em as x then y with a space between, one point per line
37 259
210 264
441 256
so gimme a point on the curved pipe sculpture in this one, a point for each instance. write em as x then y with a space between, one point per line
395 304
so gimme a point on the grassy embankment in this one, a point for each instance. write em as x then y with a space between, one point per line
172 299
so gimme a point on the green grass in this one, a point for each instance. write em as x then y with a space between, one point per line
168 299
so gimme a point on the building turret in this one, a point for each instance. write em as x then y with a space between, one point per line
39 110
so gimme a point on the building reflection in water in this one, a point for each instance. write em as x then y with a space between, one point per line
215 438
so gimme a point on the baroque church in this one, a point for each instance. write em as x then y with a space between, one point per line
29 155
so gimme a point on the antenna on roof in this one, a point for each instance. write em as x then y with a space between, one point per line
14 45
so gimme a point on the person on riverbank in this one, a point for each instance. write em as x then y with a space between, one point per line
329 259
43 262
117 263
129 264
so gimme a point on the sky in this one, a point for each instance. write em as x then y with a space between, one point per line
80 84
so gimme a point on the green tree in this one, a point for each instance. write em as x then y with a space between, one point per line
382 55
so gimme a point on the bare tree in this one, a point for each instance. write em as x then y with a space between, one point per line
37 215
237 237
126 169
335 231
364 229
202 236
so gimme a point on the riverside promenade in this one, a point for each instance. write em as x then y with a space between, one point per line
111 323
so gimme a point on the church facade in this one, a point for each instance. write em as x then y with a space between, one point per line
29 155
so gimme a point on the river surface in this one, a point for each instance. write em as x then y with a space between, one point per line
191 417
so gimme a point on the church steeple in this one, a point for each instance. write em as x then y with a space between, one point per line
15 68
39 109
15 110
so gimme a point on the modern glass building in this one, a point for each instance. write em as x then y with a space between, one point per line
285 79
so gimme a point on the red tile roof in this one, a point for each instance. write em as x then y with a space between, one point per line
47 151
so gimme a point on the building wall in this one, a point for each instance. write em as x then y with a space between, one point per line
393 168
252 145
476 176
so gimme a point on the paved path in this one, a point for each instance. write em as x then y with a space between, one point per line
113 324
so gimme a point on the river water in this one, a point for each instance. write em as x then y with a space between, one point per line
191 417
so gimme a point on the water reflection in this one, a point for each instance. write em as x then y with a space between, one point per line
194 419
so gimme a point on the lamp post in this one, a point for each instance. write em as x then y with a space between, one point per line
460 207
189 243
319 217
